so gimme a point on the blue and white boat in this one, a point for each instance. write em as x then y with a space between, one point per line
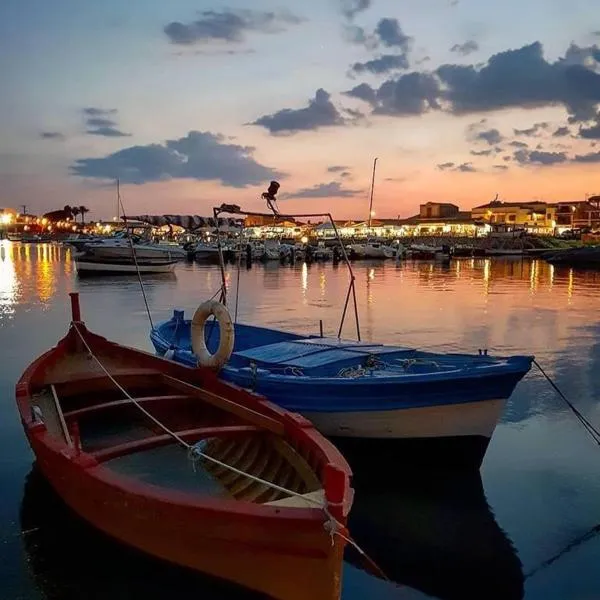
403 405
406 405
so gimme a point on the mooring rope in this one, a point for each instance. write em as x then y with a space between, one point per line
590 534
332 525
594 433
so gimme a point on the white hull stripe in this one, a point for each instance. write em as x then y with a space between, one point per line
450 420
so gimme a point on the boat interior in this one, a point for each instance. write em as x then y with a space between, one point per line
83 408
285 353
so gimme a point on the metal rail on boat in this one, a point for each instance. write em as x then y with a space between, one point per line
235 209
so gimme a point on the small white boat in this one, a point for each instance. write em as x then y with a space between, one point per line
371 249
88 265
206 252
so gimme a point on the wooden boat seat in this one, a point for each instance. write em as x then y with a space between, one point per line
154 441
88 410
223 403
78 375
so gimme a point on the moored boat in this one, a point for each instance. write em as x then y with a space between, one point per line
116 432
87 263
370 399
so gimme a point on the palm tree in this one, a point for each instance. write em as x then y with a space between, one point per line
74 212
82 211
68 211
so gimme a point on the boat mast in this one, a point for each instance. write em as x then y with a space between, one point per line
118 198
372 188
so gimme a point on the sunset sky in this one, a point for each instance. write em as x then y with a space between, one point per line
194 103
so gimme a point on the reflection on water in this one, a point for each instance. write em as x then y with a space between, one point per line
540 474
437 534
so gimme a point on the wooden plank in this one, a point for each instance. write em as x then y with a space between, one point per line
93 381
233 407
303 469
154 441
61 417
81 412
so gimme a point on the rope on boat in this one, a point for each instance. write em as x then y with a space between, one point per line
594 433
331 525
193 451
137 268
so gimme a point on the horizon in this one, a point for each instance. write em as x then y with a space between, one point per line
193 104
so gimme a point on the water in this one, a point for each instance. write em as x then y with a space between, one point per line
451 537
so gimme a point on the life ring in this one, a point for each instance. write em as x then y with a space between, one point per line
226 334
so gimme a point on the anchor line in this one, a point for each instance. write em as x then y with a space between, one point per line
589 427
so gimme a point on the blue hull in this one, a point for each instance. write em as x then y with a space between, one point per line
452 399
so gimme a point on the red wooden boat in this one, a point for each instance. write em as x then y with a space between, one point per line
173 461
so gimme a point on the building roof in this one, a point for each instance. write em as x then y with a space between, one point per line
499 204
460 218
439 204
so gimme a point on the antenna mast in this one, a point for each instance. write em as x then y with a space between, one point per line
372 188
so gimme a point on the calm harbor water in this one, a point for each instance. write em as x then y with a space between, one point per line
448 536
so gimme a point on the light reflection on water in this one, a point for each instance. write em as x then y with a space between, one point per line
540 475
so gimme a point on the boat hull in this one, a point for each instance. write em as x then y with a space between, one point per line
235 547
97 267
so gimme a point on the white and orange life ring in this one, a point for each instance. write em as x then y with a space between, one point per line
226 334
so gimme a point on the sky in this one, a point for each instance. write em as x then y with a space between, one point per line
195 103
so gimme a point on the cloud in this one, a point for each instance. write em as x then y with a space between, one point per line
517 144
491 136
324 190
391 35
466 48
108 132
510 79
320 112
199 155
337 168
532 131
463 168
561 132
98 122
592 132
501 167
350 8
481 152
52 135
228 26
410 94
543 158
592 157
524 78
92 111
382 64
388 33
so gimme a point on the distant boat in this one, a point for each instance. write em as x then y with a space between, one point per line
88 264
371 249
182 466
585 257
435 409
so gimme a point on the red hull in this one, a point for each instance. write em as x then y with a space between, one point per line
286 553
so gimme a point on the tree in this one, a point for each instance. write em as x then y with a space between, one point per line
74 212
82 211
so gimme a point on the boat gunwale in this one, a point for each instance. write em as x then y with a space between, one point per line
296 427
